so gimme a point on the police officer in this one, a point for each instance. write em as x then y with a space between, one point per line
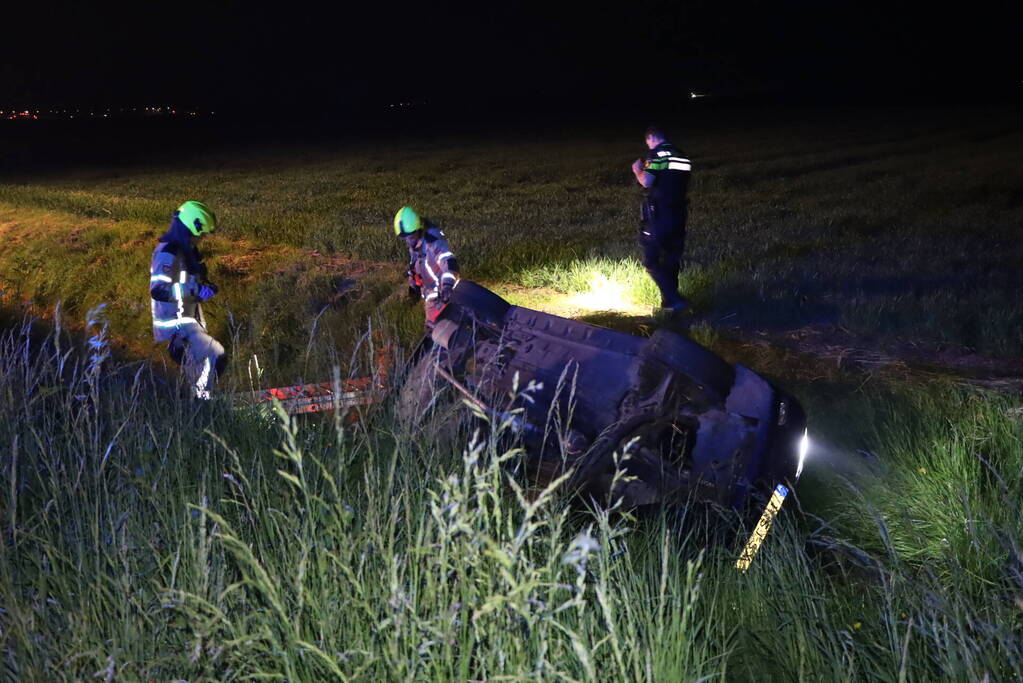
665 176
177 286
432 269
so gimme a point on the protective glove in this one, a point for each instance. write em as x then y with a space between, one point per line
445 294
206 292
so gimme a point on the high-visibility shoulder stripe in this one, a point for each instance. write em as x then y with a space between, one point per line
174 322
446 254
161 278
448 276
678 166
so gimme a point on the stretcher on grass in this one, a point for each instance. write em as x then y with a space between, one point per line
322 397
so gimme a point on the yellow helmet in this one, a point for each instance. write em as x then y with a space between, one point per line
407 221
197 217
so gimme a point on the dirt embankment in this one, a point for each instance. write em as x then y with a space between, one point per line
52 258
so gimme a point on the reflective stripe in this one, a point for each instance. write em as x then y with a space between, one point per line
663 154
181 301
430 297
456 284
448 276
678 166
161 278
681 159
204 378
426 264
174 322
182 276
446 254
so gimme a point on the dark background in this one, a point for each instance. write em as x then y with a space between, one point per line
491 56
293 72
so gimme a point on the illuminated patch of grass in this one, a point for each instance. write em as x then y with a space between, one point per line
613 280
947 473
584 275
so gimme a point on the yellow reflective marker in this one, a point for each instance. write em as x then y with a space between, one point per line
763 526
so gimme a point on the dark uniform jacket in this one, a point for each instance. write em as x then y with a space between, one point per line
666 205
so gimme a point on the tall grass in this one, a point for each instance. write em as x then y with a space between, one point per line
146 536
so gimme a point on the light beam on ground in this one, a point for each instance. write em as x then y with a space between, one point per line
605 294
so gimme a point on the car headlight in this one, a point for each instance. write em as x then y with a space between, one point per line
804 447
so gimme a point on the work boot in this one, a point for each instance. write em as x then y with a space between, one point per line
678 305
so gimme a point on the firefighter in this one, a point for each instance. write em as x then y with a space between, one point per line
664 175
432 268
177 287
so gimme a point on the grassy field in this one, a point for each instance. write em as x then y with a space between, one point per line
888 224
146 537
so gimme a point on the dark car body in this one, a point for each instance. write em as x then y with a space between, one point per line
678 421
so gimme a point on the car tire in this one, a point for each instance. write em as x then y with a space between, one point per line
483 304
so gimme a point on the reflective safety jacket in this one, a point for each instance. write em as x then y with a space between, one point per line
175 276
432 267
665 206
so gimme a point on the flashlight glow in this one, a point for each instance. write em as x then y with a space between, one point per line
604 294
804 446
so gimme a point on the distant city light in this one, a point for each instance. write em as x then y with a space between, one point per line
105 113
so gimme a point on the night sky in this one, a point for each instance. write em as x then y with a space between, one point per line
230 55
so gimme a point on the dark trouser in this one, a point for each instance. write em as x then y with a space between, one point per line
662 237
663 262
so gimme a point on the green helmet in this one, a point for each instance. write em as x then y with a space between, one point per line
197 217
406 221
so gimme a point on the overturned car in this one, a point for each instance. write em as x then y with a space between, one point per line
681 423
